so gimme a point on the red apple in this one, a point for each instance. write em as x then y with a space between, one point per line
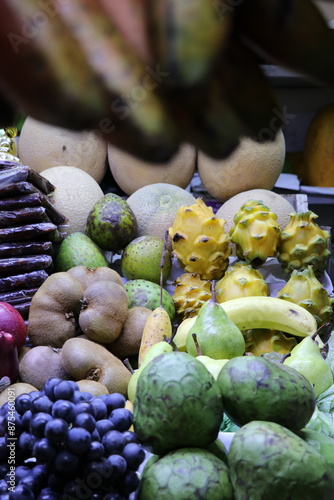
12 322
9 361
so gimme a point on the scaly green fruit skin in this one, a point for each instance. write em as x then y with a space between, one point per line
304 289
145 293
268 461
177 404
307 359
199 241
186 474
303 243
217 336
255 233
77 249
254 388
111 223
241 280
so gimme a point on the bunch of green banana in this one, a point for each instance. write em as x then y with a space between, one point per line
151 74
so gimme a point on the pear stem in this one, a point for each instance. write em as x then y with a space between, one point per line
127 363
199 351
213 291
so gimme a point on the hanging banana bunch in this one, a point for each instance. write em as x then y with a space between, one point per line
151 74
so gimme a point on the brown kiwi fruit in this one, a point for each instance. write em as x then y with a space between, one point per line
93 387
87 275
39 364
84 359
104 307
23 351
54 310
15 390
128 342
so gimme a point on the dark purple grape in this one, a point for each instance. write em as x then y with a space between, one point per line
49 386
41 404
74 385
96 496
113 442
98 474
134 455
26 443
130 437
114 495
21 471
40 472
64 409
85 420
66 462
3 426
100 407
79 397
22 403
128 483
115 400
121 418
13 423
32 483
35 394
63 390
85 407
96 435
48 494
79 440
3 470
95 452
26 418
119 465
22 492
57 482
3 449
44 451
56 430
38 423
3 486
4 409
104 426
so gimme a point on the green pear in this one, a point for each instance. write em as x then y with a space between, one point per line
306 358
217 336
213 365
155 350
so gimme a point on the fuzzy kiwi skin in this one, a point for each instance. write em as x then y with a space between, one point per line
17 389
128 342
87 275
93 387
85 359
104 307
39 364
54 310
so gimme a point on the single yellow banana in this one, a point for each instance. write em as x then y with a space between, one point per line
186 38
158 327
268 313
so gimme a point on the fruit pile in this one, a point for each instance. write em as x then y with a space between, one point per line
65 443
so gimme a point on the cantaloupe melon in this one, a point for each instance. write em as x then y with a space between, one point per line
251 166
131 174
318 154
277 204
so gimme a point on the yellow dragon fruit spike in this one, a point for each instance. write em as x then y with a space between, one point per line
303 243
255 233
190 293
199 241
304 289
241 280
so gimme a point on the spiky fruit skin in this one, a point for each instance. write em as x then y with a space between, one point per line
263 341
190 293
303 243
177 404
199 241
255 233
303 288
186 474
241 280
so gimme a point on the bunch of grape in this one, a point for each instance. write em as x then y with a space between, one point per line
69 444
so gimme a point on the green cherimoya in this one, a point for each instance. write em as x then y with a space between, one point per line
303 243
268 461
255 233
303 288
186 474
177 404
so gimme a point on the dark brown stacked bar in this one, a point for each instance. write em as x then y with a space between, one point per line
30 228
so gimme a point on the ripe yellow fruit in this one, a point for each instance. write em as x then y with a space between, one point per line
43 146
75 194
155 207
251 166
277 204
318 154
131 174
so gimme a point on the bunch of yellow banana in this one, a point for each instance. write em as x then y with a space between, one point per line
151 74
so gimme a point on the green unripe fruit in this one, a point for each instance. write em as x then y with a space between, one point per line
77 249
145 293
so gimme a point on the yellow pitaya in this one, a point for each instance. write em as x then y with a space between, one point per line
263 341
303 243
190 293
304 289
255 233
241 280
199 241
